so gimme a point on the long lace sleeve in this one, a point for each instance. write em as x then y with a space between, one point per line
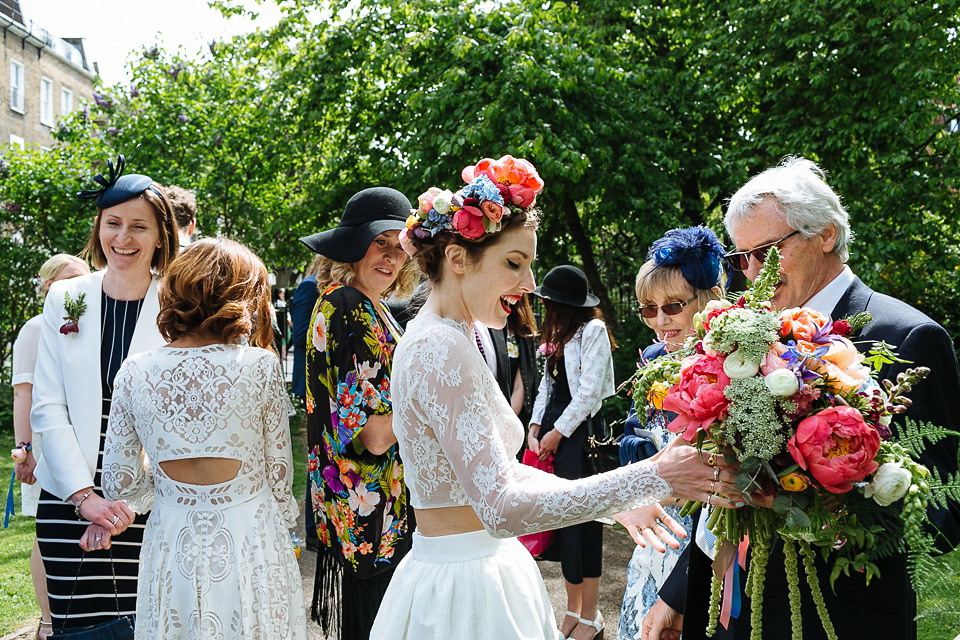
127 474
456 396
277 449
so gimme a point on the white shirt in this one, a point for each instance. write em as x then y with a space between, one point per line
825 300
489 352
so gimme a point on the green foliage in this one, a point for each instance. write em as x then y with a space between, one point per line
42 217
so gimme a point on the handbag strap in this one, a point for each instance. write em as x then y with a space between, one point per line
73 590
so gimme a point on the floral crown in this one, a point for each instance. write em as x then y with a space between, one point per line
495 189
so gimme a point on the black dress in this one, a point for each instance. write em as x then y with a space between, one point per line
579 548
59 530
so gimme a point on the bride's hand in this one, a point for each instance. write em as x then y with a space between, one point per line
701 477
651 524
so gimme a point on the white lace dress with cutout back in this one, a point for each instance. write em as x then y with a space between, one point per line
217 560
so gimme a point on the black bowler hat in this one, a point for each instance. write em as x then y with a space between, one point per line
368 214
567 285
117 188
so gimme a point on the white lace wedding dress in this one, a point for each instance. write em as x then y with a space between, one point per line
217 560
459 438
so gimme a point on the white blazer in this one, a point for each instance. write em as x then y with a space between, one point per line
588 362
67 395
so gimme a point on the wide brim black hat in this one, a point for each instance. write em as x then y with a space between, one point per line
368 214
567 285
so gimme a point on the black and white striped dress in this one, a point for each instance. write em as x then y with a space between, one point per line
58 529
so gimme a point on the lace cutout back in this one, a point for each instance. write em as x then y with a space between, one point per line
219 401
459 438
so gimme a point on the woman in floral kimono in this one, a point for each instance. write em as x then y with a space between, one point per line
359 498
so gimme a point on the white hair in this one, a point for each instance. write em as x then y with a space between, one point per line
807 203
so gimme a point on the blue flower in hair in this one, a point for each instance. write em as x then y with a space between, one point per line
696 251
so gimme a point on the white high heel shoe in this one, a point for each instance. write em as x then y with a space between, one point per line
575 615
596 624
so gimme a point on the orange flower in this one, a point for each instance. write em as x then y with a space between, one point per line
801 324
841 366
519 176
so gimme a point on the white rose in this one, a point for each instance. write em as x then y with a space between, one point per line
441 201
736 366
782 382
890 483
707 344
716 304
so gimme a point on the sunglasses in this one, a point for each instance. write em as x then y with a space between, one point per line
650 311
740 260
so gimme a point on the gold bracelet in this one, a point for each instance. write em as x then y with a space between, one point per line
76 506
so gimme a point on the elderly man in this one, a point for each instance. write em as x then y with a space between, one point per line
791 207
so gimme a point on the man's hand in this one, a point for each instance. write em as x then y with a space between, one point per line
662 622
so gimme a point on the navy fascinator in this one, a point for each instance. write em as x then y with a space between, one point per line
116 188
696 251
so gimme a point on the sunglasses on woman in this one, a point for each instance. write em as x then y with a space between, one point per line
671 309
740 260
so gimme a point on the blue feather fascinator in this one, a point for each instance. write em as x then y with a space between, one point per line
696 251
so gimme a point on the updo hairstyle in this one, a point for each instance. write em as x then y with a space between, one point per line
430 257
216 287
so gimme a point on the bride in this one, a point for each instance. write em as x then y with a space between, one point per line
467 575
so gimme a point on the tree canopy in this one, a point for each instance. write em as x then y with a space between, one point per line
639 116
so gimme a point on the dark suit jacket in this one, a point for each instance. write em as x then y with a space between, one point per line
887 607
304 300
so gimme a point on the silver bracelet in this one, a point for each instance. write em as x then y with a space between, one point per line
76 506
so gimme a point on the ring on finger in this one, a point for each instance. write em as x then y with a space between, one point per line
716 473
709 498
643 528
713 487
712 461
115 518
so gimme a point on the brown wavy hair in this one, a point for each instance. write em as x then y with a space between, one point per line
430 258
166 224
561 322
216 287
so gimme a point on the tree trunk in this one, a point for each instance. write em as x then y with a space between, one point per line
585 249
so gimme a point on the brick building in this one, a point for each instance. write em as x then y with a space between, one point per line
42 78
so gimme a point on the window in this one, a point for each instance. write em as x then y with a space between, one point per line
17 141
66 102
16 86
46 101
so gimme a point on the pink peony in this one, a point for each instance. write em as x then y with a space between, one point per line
698 398
468 222
836 446
406 243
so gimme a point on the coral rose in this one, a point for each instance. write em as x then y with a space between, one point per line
801 324
836 446
698 398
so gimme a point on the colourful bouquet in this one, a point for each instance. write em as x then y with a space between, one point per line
789 398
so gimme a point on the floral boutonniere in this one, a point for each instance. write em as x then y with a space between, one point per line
74 309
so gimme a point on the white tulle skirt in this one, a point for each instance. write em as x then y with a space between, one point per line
466 586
